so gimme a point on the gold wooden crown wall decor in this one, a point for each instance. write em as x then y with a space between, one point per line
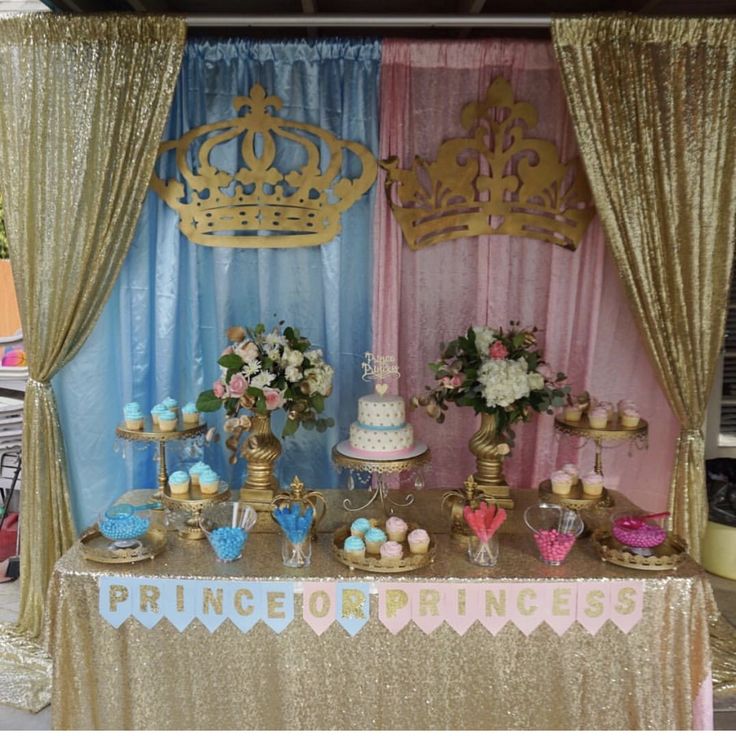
286 186
494 182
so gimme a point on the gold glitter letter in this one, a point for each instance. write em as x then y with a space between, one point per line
595 605
275 600
626 602
395 599
212 599
352 603
525 610
429 602
118 594
461 601
149 595
179 598
496 604
239 594
319 604
561 601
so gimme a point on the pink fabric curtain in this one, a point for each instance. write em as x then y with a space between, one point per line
426 297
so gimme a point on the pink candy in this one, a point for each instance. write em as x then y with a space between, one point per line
553 546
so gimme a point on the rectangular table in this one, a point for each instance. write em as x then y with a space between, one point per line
132 677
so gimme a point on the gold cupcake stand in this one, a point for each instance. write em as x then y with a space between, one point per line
374 563
343 457
189 504
612 435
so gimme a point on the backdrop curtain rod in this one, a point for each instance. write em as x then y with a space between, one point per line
326 20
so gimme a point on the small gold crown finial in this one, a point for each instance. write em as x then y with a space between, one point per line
257 204
297 488
471 487
497 181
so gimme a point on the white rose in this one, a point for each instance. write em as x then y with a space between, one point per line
293 357
484 336
536 381
314 356
262 380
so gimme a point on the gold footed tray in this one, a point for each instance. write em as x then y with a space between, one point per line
613 430
149 433
193 503
373 563
576 499
98 549
666 556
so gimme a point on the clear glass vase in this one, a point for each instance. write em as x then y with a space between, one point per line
296 554
484 554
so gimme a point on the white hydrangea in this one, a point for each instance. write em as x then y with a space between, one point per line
293 374
320 379
503 381
293 357
484 338
536 381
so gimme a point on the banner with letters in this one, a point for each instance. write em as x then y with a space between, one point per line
427 605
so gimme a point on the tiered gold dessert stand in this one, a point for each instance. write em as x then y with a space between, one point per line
191 503
612 435
343 458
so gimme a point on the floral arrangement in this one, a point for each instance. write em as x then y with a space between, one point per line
265 371
494 371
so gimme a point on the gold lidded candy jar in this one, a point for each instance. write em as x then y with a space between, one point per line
296 495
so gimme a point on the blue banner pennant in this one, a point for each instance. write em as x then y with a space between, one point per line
278 605
353 606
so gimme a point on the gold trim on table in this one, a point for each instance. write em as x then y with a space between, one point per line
576 499
666 556
374 563
97 548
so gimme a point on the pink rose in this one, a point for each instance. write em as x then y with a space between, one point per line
274 398
498 351
218 388
238 384
227 351
248 352
452 381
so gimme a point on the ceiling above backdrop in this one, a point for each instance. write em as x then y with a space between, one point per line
313 9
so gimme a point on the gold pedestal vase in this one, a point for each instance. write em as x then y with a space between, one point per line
490 450
261 450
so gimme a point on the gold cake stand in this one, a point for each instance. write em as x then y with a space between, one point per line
613 433
577 499
192 503
150 434
380 469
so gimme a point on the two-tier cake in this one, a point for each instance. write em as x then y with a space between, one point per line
381 427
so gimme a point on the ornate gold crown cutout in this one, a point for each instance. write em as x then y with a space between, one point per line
494 182
286 185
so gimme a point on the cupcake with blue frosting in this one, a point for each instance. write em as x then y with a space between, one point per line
171 404
167 421
359 527
179 483
155 413
133 415
209 482
374 538
196 470
189 413
354 549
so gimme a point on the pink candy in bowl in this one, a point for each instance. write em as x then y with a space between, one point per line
635 532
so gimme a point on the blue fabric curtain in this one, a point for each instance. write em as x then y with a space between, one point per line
163 328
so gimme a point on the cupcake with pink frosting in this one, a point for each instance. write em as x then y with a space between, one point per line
598 417
592 484
418 542
629 418
561 483
392 552
625 404
396 529
572 471
608 406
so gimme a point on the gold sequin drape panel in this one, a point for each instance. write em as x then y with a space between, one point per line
83 102
653 102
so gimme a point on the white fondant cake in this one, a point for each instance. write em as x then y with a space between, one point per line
381 425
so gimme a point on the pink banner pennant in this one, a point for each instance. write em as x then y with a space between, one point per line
318 606
593 605
394 606
492 604
627 603
426 606
460 605
529 604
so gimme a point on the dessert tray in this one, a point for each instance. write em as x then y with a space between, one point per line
666 556
343 453
98 549
374 563
576 499
190 505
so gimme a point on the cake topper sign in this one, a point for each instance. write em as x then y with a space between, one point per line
378 368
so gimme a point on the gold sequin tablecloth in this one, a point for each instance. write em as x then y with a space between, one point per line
159 678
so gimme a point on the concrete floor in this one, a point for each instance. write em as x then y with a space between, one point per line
12 719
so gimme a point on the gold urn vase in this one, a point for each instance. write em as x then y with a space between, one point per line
490 450
261 449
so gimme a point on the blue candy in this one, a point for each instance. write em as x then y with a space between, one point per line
295 525
127 527
228 542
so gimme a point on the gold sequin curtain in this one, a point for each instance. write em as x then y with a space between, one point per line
83 103
654 107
